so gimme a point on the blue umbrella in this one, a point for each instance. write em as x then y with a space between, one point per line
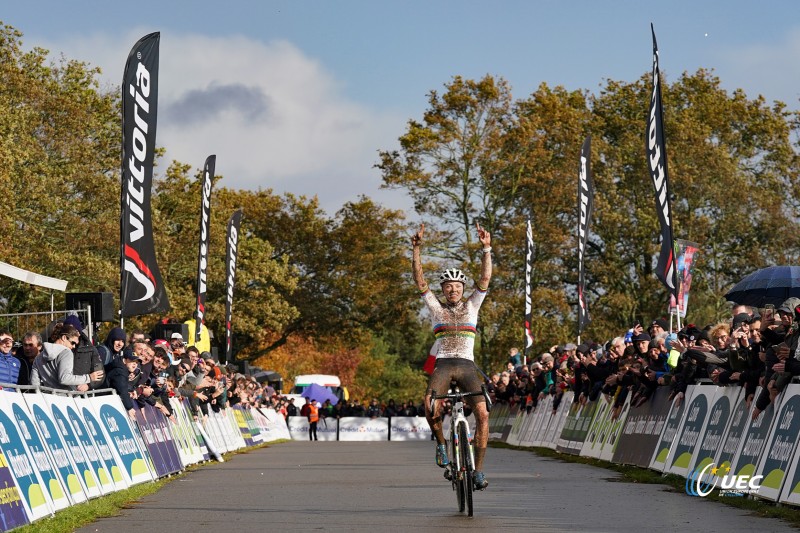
319 393
771 285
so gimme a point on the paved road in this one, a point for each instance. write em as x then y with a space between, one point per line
395 487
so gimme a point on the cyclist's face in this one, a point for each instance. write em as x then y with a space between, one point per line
453 291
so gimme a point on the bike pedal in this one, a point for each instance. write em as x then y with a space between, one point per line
448 475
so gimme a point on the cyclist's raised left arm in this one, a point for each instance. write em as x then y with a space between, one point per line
486 257
416 261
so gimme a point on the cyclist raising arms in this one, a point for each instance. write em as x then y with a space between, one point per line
454 325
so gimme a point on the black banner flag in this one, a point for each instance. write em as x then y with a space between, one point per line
231 253
528 306
202 254
656 148
585 208
141 287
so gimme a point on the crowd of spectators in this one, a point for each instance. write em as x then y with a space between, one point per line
753 347
141 369
144 370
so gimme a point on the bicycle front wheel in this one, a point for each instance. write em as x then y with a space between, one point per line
458 478
467 467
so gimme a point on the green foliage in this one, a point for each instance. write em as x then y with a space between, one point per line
382 374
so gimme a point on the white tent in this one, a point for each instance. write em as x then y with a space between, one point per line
32 278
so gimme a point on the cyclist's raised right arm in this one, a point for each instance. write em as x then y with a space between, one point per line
416 261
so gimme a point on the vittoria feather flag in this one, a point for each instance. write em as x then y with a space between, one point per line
202 254
528 306
585 208
657 165
141 287
231 255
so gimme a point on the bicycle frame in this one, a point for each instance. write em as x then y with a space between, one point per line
462 457
461 465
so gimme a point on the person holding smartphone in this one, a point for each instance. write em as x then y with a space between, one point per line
780 336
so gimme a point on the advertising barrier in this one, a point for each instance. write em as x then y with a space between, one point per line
78 455
692 426
36 499
404 428
719 418
781 444
594 438
671 427
616 423
12 509
642 429
576 427
56 449
363 429
271 424
51 483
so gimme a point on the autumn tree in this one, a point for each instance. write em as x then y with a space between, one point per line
59 168
479 155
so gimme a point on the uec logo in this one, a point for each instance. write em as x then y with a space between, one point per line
744 484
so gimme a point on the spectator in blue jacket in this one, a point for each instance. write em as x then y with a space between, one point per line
9 365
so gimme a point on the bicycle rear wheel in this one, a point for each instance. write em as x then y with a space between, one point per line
468 467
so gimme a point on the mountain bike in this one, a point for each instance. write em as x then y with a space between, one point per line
462 456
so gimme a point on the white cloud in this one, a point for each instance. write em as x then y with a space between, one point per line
274 117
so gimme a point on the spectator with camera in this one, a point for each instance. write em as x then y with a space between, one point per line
781 336
154 390
53 368
86 356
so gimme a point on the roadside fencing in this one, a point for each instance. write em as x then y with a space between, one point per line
59 448
710 438
356 428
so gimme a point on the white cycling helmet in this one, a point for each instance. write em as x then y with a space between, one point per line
453 274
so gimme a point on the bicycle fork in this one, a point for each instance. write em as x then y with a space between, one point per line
458 464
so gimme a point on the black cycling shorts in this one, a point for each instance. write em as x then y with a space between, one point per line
462 371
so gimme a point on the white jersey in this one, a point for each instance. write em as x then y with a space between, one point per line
454 326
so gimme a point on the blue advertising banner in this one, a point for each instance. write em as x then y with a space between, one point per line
104 447
164 436
100 470
35 498
154 448
73 446
119 430
158 440
66 470
37 451
12 510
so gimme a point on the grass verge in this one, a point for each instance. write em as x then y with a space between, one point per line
634 474
112 504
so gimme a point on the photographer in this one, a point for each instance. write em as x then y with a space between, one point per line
154 390
781 337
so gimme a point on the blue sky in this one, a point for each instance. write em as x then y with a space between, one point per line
298 96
